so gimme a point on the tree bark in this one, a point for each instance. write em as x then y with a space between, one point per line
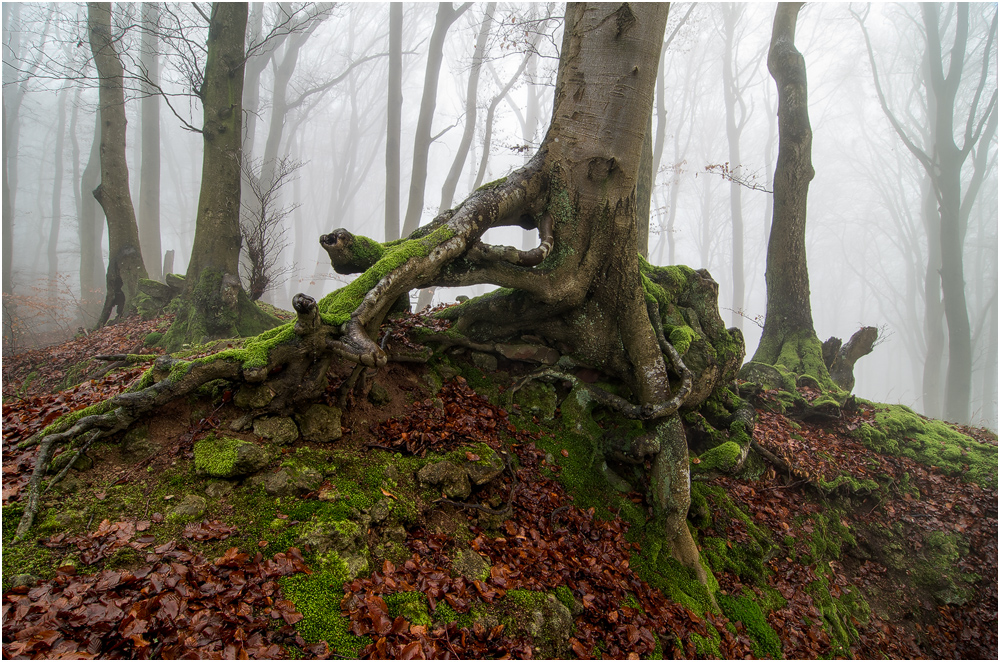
125 265
149 174
789 314
217 305
394 114
57 180
446 15
91 232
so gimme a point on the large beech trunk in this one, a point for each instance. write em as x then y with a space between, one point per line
789 314
125 266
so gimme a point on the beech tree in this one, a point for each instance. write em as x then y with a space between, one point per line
582 298
125 265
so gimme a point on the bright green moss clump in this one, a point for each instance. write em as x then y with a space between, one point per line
763 639
898 430
336 307
317 597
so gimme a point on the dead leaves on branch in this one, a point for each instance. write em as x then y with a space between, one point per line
178 606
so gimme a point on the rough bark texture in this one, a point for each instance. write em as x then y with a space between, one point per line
394 113
217 306
125 266
840 359
788 321
149 175
91 231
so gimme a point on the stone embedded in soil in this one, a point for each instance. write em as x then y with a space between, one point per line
378 395
471 565
219 488
191 507
253 396
279 429
485 469
485 362
228 458
291 481
319 423
82 463
448 476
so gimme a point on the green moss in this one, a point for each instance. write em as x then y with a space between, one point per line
763 639
721 458
410 605
336 307
681 338
565 596
217 456
898 430
496 183
317 597
67 421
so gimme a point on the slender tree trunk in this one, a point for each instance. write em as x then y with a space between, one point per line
8 218
91 232
731 13
789 313
125 265
149 175
446 15
57 180
471 97
934 332
394 114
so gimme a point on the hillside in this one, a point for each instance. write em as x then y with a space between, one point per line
460 510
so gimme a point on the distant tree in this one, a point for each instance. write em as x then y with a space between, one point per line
263 226
943 161
125 265
149 169
394 110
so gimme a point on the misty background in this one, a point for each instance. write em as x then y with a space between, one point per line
316 95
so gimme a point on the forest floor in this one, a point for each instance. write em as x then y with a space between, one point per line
878 539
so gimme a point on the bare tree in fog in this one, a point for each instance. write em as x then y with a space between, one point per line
149 173
943 160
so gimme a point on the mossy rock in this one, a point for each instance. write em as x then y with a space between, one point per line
191 507
82 463
471 565
542 617
537 399
228 457
320 423
253 396
449 477
290 481
279 429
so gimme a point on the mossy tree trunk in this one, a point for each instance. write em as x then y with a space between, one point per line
214 304
583 292
789 338
125 266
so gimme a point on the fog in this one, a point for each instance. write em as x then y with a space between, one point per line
868 211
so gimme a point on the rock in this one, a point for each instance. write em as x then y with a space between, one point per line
23 579
378 395
380 511
136 444
191 507
471 565
547 620
292 481
228 458
68 485
537 399
82 463
253 396
448 476
447 371
339 545
530 353
485 469
614 479
279 429
320 423
485 362
218 488
761 373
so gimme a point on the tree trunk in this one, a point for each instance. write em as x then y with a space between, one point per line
731 13
788 321
217 305
91 232
446 15
149 174
471 97
644 188
125 265
57 179
394 114
933 373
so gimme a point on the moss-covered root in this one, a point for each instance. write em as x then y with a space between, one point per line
302 349
215 307
796 354
670 485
